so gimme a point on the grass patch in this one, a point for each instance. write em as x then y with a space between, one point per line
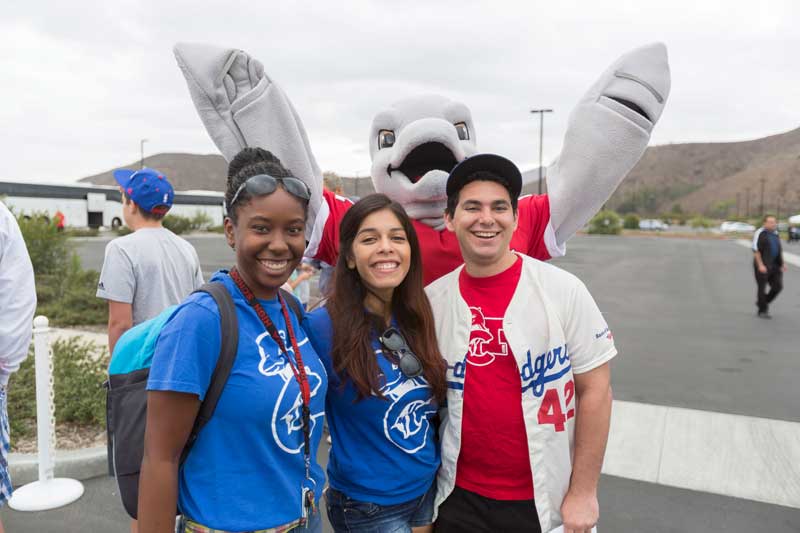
82 232
78 375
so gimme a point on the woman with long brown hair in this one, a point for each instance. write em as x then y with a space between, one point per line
376 338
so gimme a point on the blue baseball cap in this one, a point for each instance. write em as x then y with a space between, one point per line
147 187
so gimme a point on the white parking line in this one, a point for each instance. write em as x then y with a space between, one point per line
731 455
788 257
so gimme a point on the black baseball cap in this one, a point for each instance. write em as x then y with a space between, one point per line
493 163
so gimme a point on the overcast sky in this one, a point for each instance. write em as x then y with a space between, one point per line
82 82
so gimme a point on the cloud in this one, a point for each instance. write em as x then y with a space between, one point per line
87 80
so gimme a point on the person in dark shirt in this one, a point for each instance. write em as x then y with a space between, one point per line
768 264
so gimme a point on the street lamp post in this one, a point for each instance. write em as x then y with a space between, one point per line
541 135
141 152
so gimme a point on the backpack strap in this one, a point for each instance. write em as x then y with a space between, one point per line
289 298
229 327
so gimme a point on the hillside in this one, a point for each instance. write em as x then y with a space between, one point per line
207 172
715 179
184 171
709 178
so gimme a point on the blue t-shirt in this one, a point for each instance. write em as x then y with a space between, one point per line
246 468
384 450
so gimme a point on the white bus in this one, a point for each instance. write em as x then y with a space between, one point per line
93 206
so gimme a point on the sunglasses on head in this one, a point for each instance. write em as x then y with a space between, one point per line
262 184
409 363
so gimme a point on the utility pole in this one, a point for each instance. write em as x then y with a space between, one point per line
762 196
141 152
541 137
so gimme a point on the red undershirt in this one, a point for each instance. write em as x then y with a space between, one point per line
493 460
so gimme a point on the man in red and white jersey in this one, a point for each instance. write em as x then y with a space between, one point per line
529 396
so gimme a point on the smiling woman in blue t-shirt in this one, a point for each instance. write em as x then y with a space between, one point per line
253 466
376 338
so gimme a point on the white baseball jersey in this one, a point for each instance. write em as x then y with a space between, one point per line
554 330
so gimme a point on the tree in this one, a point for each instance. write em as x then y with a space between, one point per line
605 223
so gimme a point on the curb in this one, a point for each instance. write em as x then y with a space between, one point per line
79 464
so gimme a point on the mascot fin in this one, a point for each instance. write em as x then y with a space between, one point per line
607 134
241 106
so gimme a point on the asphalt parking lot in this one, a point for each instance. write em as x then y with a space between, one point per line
684 320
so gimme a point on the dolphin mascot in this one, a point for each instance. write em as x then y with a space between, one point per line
414 143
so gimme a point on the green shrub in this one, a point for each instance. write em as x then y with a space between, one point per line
700 222
605 223
65 292
631 221
46 245
216 229
123 230
200 221
68 298
177 224
78 376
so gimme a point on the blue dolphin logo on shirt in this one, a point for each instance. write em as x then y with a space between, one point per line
287 416
407 419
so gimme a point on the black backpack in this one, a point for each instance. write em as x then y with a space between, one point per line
126 396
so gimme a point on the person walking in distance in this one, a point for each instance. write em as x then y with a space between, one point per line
768 264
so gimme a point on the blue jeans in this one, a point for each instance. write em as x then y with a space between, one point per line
352 516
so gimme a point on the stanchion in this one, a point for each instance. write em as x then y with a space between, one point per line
49 492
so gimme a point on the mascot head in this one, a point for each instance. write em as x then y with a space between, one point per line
414 144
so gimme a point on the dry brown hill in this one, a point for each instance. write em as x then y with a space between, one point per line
184 171
716 179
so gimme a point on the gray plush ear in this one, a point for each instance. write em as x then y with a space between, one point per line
606 136
241 106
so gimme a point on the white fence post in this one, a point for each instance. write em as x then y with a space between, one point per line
49 492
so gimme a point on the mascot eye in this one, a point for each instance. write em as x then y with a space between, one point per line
462 130
385 139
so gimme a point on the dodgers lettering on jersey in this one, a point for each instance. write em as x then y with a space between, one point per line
374 438
544 368
534 374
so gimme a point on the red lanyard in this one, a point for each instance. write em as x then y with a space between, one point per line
299 370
